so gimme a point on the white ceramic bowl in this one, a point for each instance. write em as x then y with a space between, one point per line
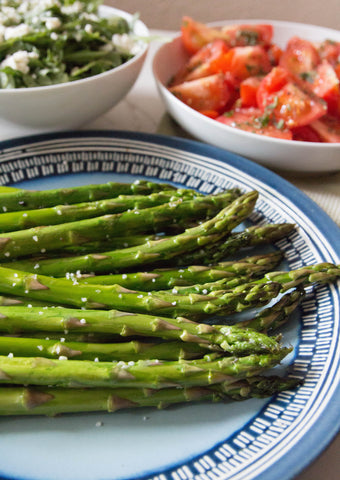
70 105
270 152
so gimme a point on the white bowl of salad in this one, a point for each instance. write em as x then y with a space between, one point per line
64 63
268 90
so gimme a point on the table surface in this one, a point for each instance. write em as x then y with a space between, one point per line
142 111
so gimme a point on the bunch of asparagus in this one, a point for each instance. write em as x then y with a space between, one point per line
124 295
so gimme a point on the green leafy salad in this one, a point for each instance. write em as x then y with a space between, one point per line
44 42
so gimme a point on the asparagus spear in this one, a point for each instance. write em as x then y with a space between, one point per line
141 374
249 237
55 401
59 290
126 351
319 273
5 189
113 243
161 279
257 387
276 315
43 239
74 337
17 200
19 220
217 287
235 342
15 320
208 232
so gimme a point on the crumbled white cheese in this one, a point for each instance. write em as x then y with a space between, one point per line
17 31
125 42
76 7
88 28
19 60
37 5
9 16
52 23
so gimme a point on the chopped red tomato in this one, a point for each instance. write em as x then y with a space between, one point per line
242 35
210 113
244 62
238 76
329 50
326 85
328 129
283 99
299 57
204 94
306 134
248 91
337 70
325 82
195 34
207 61
274 54
252 120
271 83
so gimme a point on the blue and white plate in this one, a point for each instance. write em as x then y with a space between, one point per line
256 439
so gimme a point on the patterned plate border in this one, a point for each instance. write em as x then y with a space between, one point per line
293 427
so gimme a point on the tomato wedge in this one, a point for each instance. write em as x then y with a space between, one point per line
244 62
274 54
210 93
252 120
283 99
306 134
242 35
271 83
329 50
328 128
326 85
195 35
248 91
300 57
208 60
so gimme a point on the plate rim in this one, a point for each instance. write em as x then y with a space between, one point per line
324 430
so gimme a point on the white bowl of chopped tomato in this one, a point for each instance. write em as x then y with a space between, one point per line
267 90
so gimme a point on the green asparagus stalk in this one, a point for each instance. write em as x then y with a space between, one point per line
19 220
76 337
249 237
17 200
191 239
276 315
257 387
56 401
113 243
57 290
40 240
6 189
126 351
162 279
319 273
142 374
230 282
15 320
